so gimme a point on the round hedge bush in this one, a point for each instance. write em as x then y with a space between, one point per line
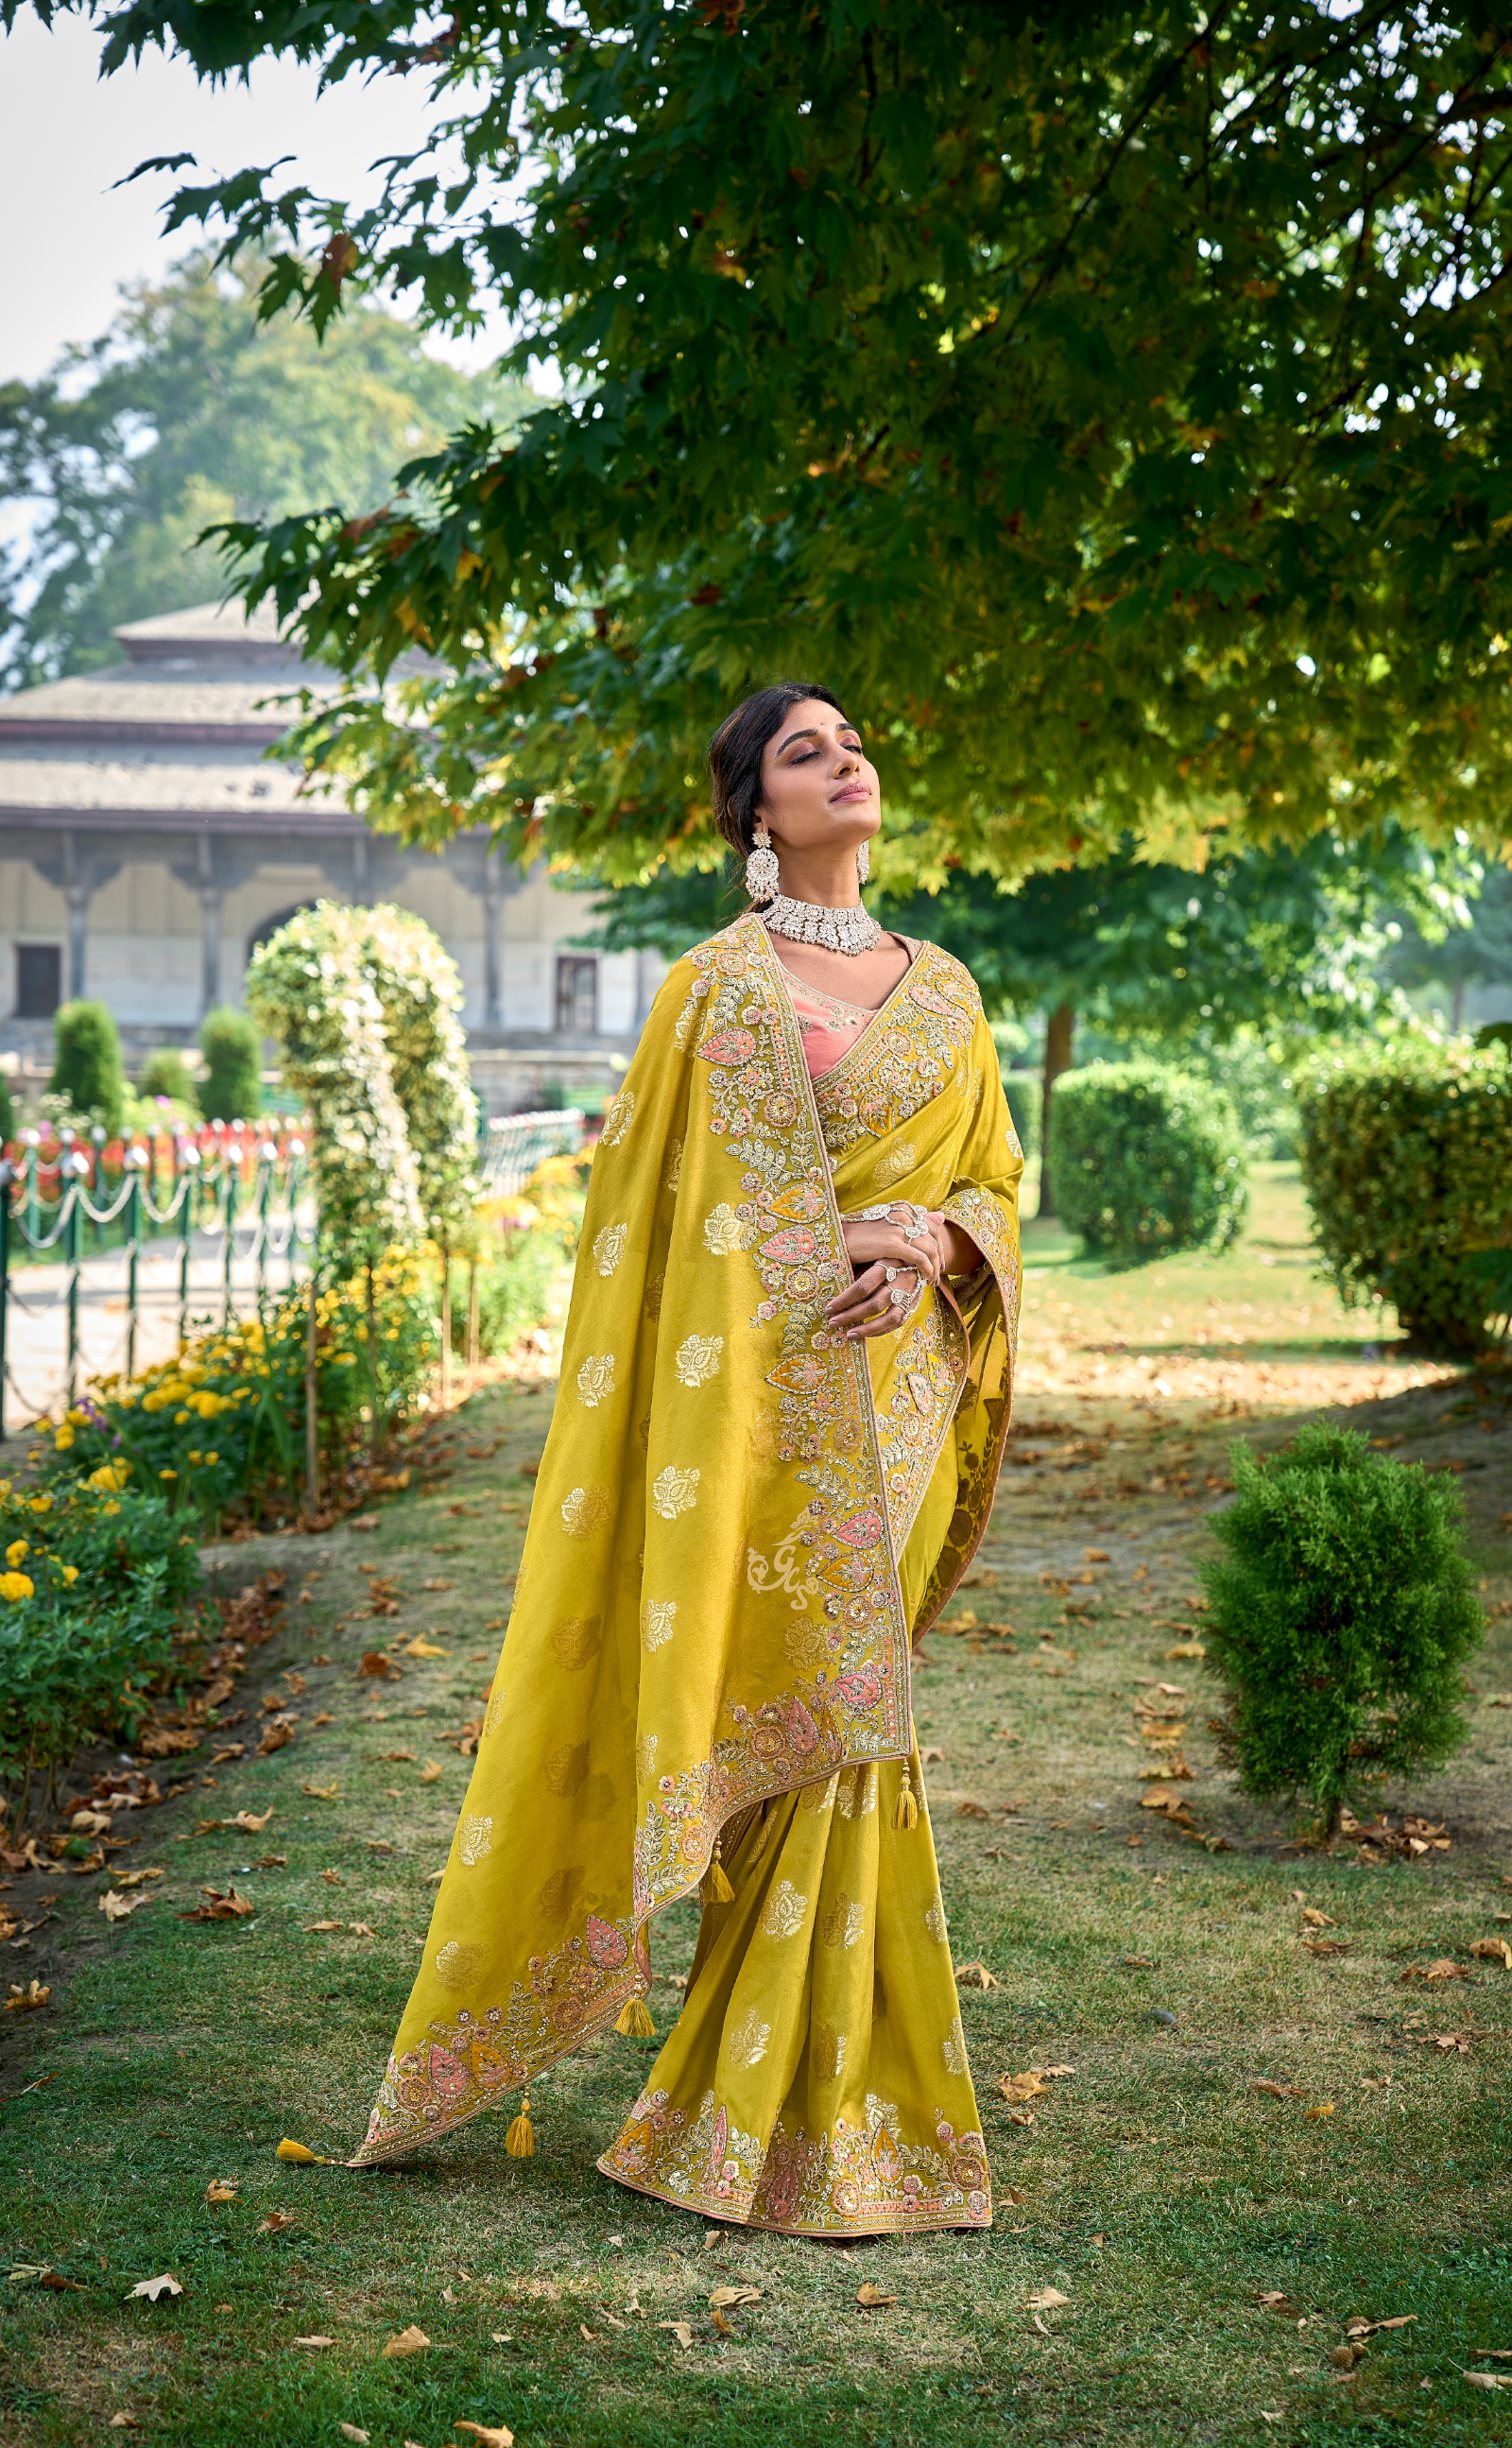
1146 1160
1407 1160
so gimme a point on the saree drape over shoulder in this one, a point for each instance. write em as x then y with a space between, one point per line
739 1522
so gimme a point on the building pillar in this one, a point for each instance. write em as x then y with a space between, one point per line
359 871
212 897
492 938
76 893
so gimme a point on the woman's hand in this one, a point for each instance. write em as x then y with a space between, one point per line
886 1263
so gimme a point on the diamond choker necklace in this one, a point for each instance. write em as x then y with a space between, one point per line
809 922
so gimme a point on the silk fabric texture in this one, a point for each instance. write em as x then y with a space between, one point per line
740 1519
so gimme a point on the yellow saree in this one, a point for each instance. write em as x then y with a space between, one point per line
740 1523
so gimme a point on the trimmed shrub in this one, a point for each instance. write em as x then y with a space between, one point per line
1340 1617
1406 1159
167 1074
86 1070
1146 1160
231 1090
1024 1092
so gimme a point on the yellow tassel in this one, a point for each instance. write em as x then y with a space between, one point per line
520 2140
634 2020
300 2157
717 1888
906 1813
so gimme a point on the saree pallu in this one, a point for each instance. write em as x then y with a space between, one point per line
739 1522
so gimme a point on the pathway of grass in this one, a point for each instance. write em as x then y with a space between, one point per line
1155 2188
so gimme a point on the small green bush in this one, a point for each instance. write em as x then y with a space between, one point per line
1407 1160
514 1288
8 1112
96 1596
167 1074
1340 1619
1146 1160
1026 1096
87 1063
231 1090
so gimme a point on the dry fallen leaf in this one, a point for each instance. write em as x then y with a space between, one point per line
931 1756
430 1773
1324 2107
1312 1919
440 1584
975 1976
276 2222
314 2342
1494 1950
216 1906
396 1755
422 1648
1017 2198
1019 2087
408 2342
872 2298
118 1907
219 2190
250 1823
1359 2327
350 2431
153 2287
1047 2298
310 1926
723 2297
1444 1969
680 2329
491 2434
26 2001
321 1792
361 1929
1486 2379
121 2423
1280 2090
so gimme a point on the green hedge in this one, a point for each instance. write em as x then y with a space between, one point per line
86 1070
1406 1159
1146 1160
231 1043
1024 1092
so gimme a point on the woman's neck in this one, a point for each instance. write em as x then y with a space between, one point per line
825 878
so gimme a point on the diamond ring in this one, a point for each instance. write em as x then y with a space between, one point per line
899 1298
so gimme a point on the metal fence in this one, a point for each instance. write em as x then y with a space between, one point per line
219 1220
518 1142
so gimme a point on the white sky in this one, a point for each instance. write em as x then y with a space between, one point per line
65 136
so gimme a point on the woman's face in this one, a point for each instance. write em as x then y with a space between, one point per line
817 788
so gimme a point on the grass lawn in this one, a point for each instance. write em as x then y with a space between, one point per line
1210 2240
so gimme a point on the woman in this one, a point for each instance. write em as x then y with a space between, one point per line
784 1387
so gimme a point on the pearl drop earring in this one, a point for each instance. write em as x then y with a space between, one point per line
763 877
863 861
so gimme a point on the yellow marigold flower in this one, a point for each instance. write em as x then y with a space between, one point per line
14 1585
42 1504
211 1457
112 1506
168 1474
63 1440
17 1550
70 1573
193 1457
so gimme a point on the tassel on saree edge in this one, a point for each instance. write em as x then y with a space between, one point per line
906 1813
520 2140
634 2022
717 1888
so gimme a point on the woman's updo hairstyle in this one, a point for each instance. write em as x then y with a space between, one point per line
734 754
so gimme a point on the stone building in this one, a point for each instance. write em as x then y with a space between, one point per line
147 845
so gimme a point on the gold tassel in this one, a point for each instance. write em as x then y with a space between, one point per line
906 1813
634 2020
717 1888
520 2140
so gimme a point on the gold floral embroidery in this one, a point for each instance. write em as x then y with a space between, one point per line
566 1768
935 1922
596 1379
722 1235
746 2044
608 1247
656 1288
657 1619
826 2052
646 1757
674 1167
913 1425
906 1059
698 1359
618 1119
674 1492
952 2048
456 1963
892 1166
785 1912
585 1510
844 1923
576 1642
477 1839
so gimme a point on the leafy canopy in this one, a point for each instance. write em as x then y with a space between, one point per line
1111 403
184 413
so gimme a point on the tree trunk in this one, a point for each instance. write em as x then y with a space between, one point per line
1057 1057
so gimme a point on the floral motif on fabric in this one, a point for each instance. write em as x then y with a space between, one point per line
585 1510
698 1359
596 1379
856 1791
891 1167
617 1119
746 2044
952 2048
978 1213
674 1492
785 1912
935 1922
658 1616
477 1842
722 1236
914 1422
849 2179
608 1247
845 1923
576 1642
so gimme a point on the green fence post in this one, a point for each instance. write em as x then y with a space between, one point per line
8 1174
70 1259
189 1163
229 1163
133 1237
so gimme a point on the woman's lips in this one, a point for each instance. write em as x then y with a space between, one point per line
854 791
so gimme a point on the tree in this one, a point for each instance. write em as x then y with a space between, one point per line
1111 402
183 412
231 1090
1271 938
